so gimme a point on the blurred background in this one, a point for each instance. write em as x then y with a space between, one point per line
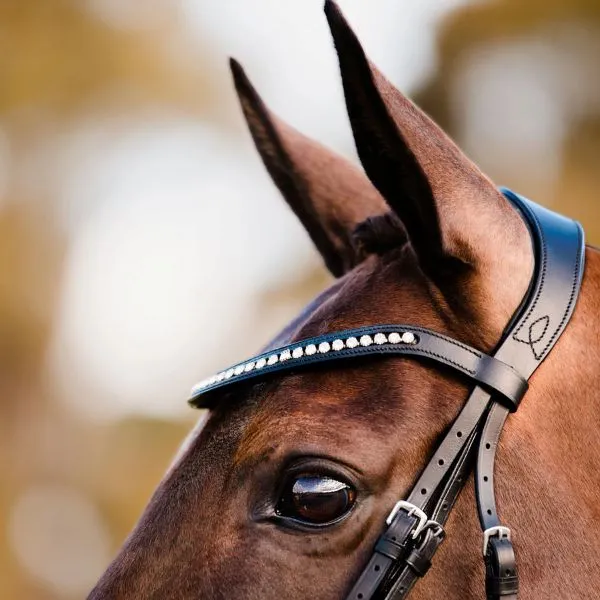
142 245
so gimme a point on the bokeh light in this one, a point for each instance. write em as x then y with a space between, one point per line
59 537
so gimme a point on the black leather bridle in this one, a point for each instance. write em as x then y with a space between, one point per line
414 528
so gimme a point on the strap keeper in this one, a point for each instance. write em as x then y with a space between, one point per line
419 559
402 522
419 563
501 577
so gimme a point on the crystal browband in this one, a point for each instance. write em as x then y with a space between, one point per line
381 339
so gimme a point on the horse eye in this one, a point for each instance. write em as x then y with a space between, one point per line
315 499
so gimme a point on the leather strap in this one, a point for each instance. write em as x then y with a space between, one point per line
407 575
501 580
393 545
427 344
416 564
560 256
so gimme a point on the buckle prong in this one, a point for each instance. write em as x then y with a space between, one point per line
411 509
501 531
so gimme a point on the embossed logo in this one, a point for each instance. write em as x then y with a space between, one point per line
535 334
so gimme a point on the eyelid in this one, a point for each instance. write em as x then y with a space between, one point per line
323 466
325 485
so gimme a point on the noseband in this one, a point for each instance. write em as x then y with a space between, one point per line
414 528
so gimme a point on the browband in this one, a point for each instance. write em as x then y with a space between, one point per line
380 339
414 528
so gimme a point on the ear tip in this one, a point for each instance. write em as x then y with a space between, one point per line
344 38
240 79
252 104
330 6
236 69
333 13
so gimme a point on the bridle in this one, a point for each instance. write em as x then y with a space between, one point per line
414 527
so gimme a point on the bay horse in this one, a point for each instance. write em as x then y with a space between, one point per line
282 489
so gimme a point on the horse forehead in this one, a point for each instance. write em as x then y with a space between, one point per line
376 291
319 430
336 405
189 440
337 411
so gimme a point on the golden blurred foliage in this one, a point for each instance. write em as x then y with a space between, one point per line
565 37
58 61
57 56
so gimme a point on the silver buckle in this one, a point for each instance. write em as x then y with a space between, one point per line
411 509
501 531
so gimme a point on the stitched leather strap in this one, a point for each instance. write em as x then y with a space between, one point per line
428 344
428 486
560 254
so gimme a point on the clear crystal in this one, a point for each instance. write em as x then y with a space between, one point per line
297 352
380 338
324 347
366 340
337 345
249 366
272 359
285 355
409 337
351 342
229 373
310 350
238 370
260 363
220 376
394 338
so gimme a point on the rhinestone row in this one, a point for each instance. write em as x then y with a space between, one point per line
309 350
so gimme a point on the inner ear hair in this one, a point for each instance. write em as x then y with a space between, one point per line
379 235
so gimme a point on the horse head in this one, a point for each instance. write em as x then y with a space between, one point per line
282 492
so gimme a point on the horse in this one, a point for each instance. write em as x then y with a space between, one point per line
282 489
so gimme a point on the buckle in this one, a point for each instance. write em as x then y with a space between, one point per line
411 509
501 531
436 529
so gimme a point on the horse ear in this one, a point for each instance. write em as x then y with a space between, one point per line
456 218
329 194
